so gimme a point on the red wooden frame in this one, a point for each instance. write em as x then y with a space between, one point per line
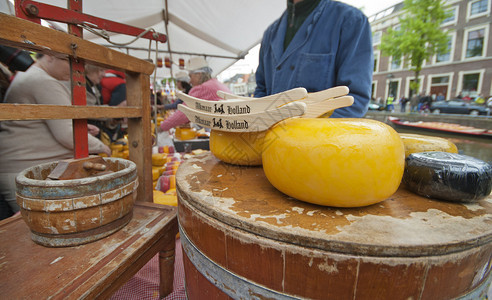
73 16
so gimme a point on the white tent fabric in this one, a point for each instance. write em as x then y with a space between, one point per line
221 30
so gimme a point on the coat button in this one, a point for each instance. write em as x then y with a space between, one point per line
292 67
279 67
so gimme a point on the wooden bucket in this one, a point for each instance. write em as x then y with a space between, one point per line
244 239
73 212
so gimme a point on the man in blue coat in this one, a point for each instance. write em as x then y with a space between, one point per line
318 44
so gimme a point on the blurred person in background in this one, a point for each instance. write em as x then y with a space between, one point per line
182 84
113 88
203 87
318 44
31 142
93 77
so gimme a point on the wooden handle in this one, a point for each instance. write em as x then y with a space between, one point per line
333 92
287 96
244 122
94 166
295 94
315 110
238 106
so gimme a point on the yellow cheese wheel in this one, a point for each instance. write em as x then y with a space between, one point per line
171 192
415 143
116 147
125 154
334 162
237 148
156 172
165 199
159 159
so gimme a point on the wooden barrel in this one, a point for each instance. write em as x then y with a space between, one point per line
244 239
73 212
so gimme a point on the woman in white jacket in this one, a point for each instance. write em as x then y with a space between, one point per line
27 143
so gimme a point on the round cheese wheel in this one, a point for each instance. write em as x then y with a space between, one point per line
448 176
238 148
334 162
158 159
416 143
165 199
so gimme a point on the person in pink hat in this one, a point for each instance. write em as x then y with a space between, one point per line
203 87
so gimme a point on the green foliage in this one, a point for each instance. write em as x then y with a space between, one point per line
419 36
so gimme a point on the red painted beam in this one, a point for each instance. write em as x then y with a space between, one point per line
79 97
34 9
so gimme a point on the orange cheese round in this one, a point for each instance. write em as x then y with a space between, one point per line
334 162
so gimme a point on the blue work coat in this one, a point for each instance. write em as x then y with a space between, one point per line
333 47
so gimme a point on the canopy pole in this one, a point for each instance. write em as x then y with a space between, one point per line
166 21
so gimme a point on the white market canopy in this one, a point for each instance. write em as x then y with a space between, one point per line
223 31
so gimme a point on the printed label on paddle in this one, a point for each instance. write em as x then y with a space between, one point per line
219 123
223 109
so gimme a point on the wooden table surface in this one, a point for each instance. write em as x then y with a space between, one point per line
94 270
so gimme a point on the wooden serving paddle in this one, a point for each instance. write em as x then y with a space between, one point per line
315 110
289 95
244 122
233 106
333 92
79 168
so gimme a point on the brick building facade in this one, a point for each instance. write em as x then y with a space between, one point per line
466 69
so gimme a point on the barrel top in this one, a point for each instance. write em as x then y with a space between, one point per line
405 224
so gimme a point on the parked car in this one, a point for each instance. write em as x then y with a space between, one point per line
458 106
376 106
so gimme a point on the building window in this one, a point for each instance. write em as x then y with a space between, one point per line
376 61
479 7
395 63
373 90
474 43
376 38
440 80
439 87
470 84
452 16
445 57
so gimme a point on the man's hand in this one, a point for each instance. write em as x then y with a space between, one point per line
107 150
92 129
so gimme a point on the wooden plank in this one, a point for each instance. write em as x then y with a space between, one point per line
90 271
139 133
24 34
9 111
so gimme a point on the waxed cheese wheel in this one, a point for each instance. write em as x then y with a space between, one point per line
159 159
334 162
238 148
448 176
415 143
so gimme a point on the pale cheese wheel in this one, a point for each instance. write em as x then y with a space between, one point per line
416 143
334 162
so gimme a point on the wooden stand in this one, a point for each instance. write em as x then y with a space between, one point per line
242 237
27 35
92 271
96 269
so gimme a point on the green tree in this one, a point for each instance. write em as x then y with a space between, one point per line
419 36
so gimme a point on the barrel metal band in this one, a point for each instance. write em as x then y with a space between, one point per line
230 283
480 292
